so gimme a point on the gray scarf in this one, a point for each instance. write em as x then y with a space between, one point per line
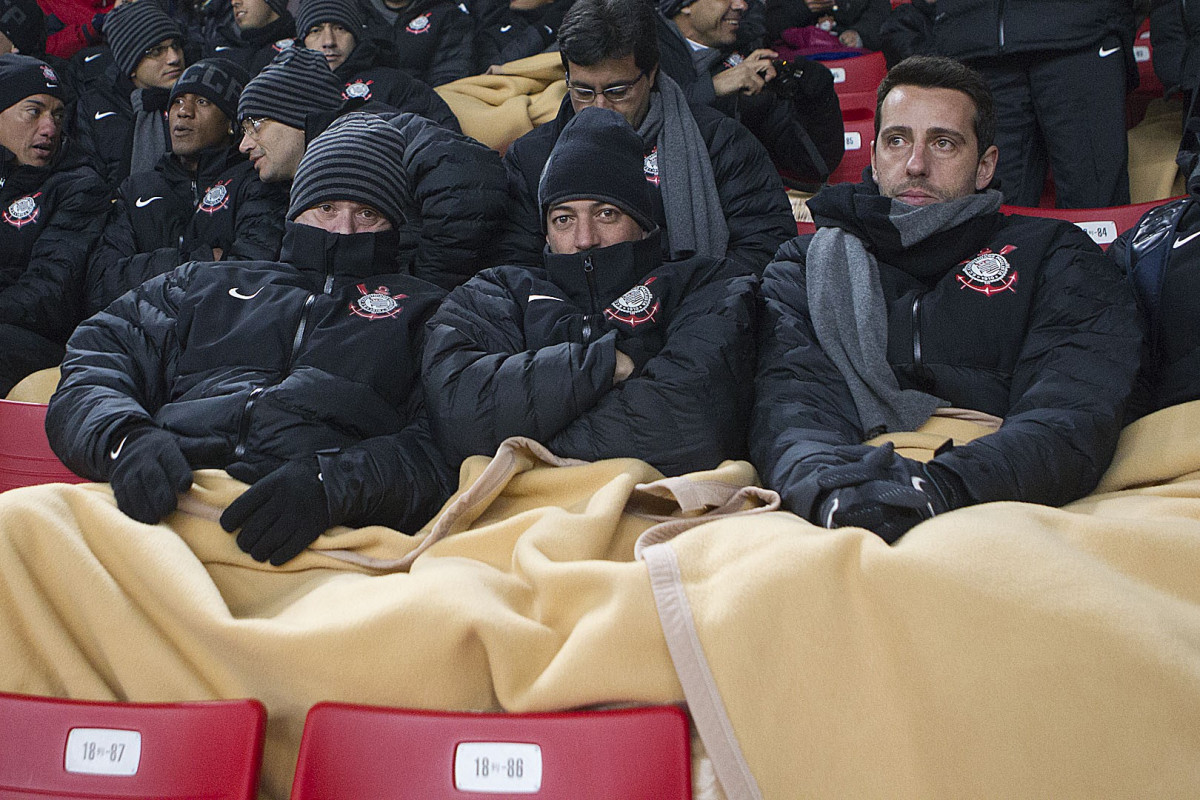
150 135
695 220
849 314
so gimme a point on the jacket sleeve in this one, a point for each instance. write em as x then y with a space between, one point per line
756 206
117 372
866 17
1075 373
116 265
458 185
409 94
687 409
908 31
804 416
48 298
1170 42
521 238
485 381
399 480
454 55
258 229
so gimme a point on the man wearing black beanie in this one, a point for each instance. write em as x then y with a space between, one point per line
203 200
300 377
604 351
257 31
51 208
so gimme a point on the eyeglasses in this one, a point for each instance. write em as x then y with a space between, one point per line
160 50
614 94
252 125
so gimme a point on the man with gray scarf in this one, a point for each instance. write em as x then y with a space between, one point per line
714 190
917 298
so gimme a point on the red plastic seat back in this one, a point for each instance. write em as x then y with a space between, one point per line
1103 224
353 752
856 80
116 751
25 455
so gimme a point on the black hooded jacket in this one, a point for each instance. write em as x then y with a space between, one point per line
431 40
49 219
163 218
1051 346
967 29
752 196
531 352
258 363
367 79
254 48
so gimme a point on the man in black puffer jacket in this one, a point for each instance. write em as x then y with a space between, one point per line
257 31
714 190
916 294
605 351
299 377
203 202
431 40
51 209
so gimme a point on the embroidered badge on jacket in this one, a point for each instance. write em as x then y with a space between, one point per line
23 211
635 307
989 272
357 90
650 166
283 44
215 198
419 25
379 304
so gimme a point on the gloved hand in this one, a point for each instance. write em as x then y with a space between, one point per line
550 321
148 473
884 493
281 514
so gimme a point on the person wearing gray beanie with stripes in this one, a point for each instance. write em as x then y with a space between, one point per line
299 377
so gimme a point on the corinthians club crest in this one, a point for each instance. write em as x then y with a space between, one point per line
379 304
989 272
636 306
23 211
216 198
358 90
650 166
419 25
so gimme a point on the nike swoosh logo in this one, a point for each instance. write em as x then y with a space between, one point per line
505 28
533 297
837 501
1106 52
235 293
219 48
117 451
103 114
140 203
91 58
1184 240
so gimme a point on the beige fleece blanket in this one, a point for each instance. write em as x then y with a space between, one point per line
498 108
1006 650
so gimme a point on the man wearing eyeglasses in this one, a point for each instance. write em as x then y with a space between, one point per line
714 190
121 116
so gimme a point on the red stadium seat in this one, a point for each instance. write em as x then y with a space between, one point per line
1149 86
25 455
856 79
351 752
859 133
1103 224
120 751
806 227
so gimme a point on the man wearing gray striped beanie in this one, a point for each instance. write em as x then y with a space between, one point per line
146 44
274 108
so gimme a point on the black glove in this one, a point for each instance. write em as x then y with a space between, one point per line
884 493
281 514
148 473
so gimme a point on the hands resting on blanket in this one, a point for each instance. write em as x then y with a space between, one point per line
148 473
281 514
884 493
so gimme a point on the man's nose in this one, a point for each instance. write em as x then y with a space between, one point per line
916 163
587 236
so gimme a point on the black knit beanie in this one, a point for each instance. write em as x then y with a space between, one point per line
24 76
23 22
218 79
598 156
360 157
294 85
669 8
133 28
278 6
315 12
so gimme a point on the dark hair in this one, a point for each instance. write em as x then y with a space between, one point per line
939 72
598 30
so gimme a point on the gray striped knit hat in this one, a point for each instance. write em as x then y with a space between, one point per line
133 28
314 12
294 85
360 157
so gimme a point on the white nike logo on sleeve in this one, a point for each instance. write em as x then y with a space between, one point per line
103 114
1181 241
140 203
235 293
91 58
1105 52
117 451
533 297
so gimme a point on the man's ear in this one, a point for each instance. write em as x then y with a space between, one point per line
874 174
986 169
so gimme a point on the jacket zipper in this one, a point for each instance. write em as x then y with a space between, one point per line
589 273
916 331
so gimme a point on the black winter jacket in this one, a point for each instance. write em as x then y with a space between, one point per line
49 218
864 16
431 39
104 123
259 363
1175 31
368 80
505 34
164 218
803 134
1049 344
966 29
531 352
252 49
756 206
